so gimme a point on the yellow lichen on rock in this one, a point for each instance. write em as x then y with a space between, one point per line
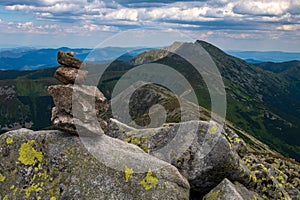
212 130
2 178
9 140
150 181
53 198
237 140
28 155
213 195
32 188
138 142
128 173
5 197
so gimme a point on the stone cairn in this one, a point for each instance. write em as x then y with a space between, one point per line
77 106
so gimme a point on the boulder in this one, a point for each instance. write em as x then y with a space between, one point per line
204 157
68 75
69 61
228 190
55 165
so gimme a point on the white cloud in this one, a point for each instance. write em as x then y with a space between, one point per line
54 29
123 14
85 16
259 7
289 27
56 8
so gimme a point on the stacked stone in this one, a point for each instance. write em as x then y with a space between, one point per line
70 69
77 106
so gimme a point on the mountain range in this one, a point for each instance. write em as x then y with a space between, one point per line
262 99
255 57
33 59
27 58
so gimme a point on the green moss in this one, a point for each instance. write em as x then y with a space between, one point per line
2 178
213 195
150 181
128 173
28 155
5 197
9 140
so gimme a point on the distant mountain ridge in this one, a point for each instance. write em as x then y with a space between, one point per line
255 57
34 59
279 67
28 58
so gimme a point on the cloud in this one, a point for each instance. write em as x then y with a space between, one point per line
268 7
54 29
289 27
233 18
151 3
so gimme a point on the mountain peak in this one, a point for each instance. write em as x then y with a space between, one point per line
173 47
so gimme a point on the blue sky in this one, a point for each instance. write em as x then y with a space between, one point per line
230 24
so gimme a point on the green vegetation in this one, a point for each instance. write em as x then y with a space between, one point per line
25 101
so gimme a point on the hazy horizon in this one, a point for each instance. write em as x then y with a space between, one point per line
59 47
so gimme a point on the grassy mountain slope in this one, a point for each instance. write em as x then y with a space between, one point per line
24 99
279 67
256 98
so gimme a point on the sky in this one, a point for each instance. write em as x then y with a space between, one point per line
262 25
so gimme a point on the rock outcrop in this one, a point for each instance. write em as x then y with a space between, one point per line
228 190
205 162
56 165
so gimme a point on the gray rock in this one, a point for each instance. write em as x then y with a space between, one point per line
197 148
69 61
56 165
229 191
77 100
70 124
68 75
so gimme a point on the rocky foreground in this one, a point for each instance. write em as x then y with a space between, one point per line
58 165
